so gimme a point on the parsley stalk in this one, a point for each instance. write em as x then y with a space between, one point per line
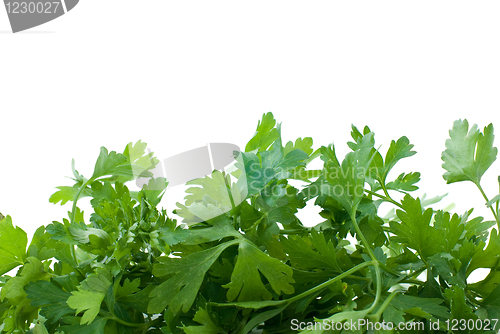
73 210
491 206
376 316
386 198
375 261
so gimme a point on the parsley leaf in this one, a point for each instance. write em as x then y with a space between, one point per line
51 298
266 134
246 283
415 230
469 153
347 179
179 291
13 243
242 259
207 325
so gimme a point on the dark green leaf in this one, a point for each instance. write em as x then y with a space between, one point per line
246 283
179 291
51 298
492 305
207 325
415 230
96 327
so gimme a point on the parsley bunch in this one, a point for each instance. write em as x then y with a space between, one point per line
242 260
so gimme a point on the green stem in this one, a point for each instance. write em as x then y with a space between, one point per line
359 278
389 270
73 253
386 192
361 236
375 262
330 281
73 213
385 304
73 210
415 273
305 293
487 200
498 202
294 231
387 198
228 186
412 281
379 287
111 316
257 222
123 322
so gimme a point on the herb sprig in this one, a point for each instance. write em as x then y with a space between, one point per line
242 260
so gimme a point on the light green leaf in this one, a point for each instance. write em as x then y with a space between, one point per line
42 246
107 163
302 144
404 182
88 301
493 200
40 329
469 153
133 163
210 197
90 295
138 162
154 190
13 243
65 194
397 151
266 134
76 233
98 281
32 271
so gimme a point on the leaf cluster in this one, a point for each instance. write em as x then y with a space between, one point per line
241 260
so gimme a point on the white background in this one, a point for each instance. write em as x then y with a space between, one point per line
179 74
